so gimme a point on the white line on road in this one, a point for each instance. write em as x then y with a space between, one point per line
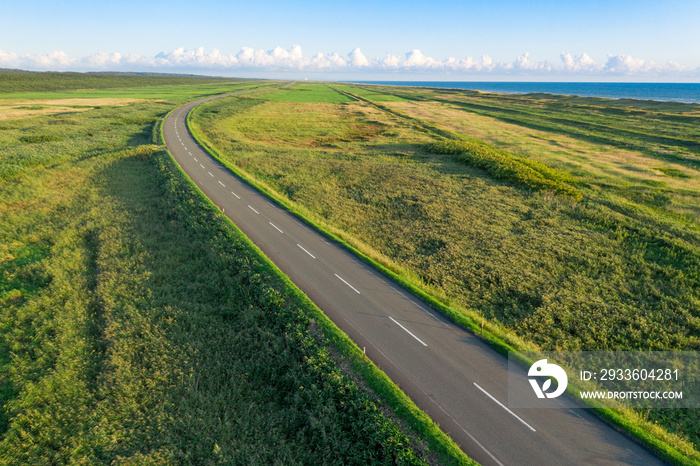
408 331
505 407
307 252
275 226
222 184
341 279
253 210
202 166
237 196
195 158
210 174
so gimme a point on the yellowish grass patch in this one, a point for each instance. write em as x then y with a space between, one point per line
17 110
599 164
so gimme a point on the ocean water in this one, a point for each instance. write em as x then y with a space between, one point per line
666 92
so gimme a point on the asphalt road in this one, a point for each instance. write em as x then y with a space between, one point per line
450 373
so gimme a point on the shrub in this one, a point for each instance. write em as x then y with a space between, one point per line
508 167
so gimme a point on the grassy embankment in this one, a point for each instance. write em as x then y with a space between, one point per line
136 324
613 264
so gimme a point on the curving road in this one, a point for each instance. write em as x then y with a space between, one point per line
450 373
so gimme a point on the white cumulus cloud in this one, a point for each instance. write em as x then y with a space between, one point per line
630 66
582 63
523 63
357 58
199 57
9 60
57 60
625 64
416 59
322 61
280 59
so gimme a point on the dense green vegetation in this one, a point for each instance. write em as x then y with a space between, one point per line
504 166
612 264
12 81
137 325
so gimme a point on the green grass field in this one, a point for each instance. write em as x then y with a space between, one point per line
312 92
613 265
137 325
375 95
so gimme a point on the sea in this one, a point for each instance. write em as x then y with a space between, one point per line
665 92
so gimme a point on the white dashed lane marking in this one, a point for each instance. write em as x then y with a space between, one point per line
307 252
341 279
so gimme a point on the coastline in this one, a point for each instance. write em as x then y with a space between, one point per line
662 92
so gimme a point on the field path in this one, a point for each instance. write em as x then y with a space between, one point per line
450 373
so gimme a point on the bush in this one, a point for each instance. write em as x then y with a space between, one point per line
507 167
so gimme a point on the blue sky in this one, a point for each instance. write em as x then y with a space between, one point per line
536 40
